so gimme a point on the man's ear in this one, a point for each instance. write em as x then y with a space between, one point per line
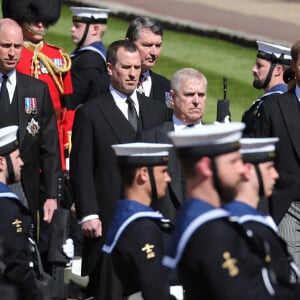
95 29
248 169
2 162
109 68
204 166
142 174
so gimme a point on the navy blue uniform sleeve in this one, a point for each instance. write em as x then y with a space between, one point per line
142 244
14 228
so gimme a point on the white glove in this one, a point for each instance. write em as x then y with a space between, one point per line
68 248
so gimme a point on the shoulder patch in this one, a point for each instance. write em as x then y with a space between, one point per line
149 251
18 225
230 264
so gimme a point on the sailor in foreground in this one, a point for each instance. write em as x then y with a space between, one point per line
21 255
136 238
215 257
260 176
16 220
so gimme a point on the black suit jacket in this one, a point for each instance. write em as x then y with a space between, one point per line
280 117
94 174
40 153
160 85
169 204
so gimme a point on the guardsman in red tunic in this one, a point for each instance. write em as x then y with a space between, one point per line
43 61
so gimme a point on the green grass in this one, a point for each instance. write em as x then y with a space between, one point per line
215 58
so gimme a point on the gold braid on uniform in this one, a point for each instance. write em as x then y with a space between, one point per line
51 67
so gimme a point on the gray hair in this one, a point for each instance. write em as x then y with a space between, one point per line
181 74
140 23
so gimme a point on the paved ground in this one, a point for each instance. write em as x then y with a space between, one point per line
272 20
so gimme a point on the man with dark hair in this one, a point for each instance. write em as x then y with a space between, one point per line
280 118
271 63
259 178
16 221
113 117
216 258
137 234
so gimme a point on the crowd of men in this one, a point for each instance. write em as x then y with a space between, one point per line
164 206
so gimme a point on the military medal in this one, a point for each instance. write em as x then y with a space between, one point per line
33 127
30 105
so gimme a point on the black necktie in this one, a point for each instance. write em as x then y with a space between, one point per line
4 97
140 87
132 114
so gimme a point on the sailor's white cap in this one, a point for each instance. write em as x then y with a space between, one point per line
8 139
90 14
142 154
257 150
208 140
274 53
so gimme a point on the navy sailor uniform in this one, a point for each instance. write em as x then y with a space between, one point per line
136 242
214 256
264 231
16 227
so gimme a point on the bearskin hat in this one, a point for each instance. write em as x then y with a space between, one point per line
32 11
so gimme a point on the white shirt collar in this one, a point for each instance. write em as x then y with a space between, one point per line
120 99
179 125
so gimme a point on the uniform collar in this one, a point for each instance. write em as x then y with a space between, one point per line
126 212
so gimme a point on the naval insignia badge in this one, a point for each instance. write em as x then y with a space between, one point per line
33 127
230 264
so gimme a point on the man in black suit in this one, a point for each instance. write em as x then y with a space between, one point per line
147 34
281 118
112 118
188 94
28 104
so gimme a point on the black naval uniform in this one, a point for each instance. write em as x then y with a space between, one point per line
135 241
215 260
250 116
265 235
15 229
89 74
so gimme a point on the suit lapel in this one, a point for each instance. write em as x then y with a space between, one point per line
174 164
22 90
116 120
291 115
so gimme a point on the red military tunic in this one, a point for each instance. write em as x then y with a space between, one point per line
52 65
